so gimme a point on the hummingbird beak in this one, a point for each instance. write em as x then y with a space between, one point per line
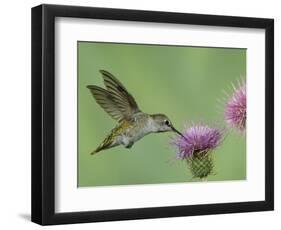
176 131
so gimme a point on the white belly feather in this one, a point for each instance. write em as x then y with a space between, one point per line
137 131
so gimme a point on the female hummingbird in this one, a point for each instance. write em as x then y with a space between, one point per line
133 124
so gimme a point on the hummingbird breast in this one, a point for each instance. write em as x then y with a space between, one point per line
142 124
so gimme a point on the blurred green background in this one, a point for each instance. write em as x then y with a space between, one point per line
184 83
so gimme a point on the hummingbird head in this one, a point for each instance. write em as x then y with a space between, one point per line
163 124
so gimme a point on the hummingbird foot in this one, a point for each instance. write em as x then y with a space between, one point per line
128 146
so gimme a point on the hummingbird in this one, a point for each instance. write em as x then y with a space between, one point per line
133 124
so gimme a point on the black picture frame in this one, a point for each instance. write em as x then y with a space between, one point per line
43 114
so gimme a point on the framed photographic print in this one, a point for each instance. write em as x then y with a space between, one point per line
142 114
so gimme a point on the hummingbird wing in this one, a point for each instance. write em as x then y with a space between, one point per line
115 100
123 99
105 100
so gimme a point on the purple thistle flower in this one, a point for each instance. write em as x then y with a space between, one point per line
235 109
197 139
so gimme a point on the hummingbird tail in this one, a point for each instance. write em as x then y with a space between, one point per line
106 144
96 150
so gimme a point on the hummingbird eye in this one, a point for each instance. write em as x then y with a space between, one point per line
167 122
